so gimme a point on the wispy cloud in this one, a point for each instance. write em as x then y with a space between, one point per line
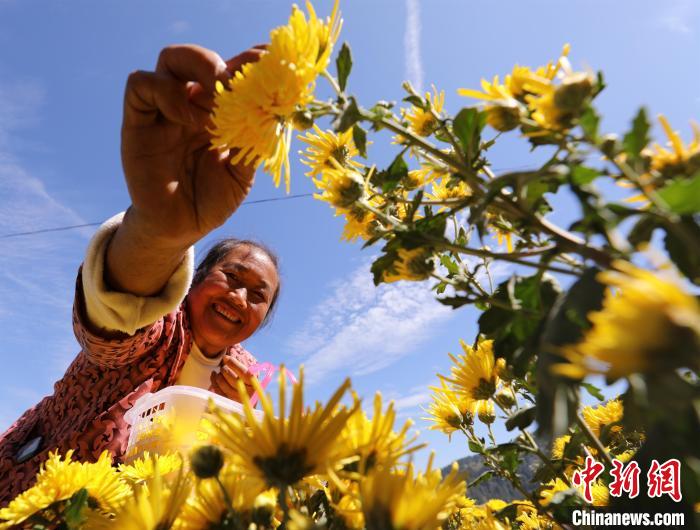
179 26
361 328
411 39
680 16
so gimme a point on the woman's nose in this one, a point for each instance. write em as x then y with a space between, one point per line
238 297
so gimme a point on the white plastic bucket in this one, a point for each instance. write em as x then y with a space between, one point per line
172 420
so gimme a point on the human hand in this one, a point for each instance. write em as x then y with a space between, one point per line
180 189
225 383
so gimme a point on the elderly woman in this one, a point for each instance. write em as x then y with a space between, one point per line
142 321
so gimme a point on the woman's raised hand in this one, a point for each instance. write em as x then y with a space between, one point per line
180 189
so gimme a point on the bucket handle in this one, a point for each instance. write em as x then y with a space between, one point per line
264 372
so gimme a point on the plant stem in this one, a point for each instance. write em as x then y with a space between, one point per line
593 439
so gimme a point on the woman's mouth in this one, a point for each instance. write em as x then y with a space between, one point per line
226 313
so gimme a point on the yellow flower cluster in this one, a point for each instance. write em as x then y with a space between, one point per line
470 390
536 94
253 115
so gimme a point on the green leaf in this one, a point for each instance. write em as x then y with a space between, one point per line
467 126
415 101
449 264
390 178
582 175
455 301
589 122
73 514
683 251
593 391
343 63
475 447
382 264
638 138
481 478
682 195
642 230
521 419
350 116
359 136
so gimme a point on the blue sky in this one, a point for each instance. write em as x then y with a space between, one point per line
62 70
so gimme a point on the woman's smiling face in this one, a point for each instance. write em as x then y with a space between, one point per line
231 302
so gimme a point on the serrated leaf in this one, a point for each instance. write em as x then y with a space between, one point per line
359 136
381 264
682 196
637 138
683 251
521 419
343 63
349 117
390 178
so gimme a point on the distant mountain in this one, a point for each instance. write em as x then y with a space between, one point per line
496 487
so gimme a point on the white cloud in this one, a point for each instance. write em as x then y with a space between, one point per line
362 329
414 64
180 26
680 16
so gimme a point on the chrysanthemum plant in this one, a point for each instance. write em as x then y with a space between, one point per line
589 298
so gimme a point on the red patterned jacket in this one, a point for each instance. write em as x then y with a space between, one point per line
86 411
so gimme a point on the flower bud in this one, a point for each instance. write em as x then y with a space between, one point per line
505 398
573 92
610 146
504 116
302 120
486 412
264 508
348 187
207 461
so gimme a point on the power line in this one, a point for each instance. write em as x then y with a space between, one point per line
72 227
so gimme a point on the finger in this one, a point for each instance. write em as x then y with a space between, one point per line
189 62
223 387
249 56
149 94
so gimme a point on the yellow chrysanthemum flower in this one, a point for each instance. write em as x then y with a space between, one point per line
324 146
359 223
374 441
680 159
207 506
558 446
154 505
665 320
412 265
475 373
427 173
346 503
341 187
599 492
398 499
59 479
532 521
253 114
422 121
598 417
442 190
448 410
147 466
284 448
